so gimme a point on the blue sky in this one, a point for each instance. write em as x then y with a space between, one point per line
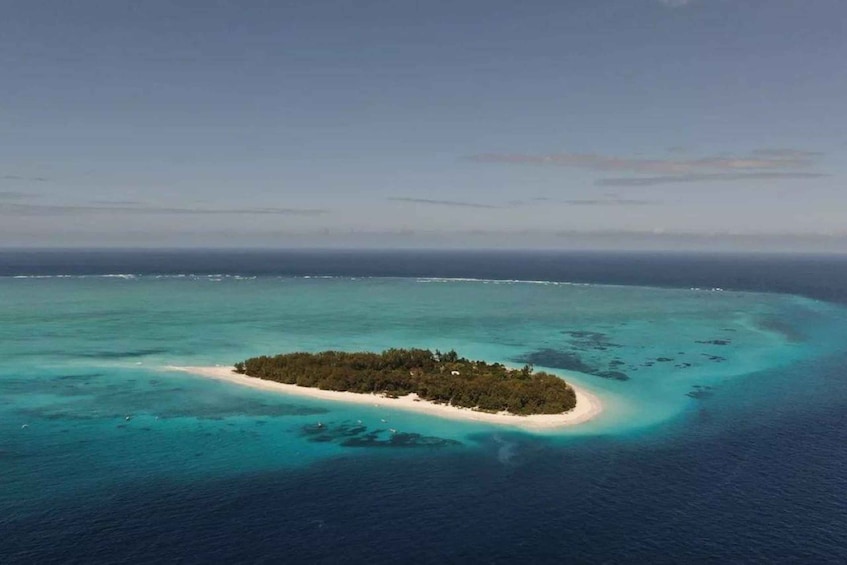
619 123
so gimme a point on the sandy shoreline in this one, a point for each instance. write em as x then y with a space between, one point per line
588 406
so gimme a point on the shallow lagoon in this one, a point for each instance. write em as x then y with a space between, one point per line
92 349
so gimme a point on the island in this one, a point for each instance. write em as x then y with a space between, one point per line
433 382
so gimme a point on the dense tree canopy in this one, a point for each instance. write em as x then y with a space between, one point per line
434 376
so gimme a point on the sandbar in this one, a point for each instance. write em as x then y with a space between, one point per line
588 406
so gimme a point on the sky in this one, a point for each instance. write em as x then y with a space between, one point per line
614 124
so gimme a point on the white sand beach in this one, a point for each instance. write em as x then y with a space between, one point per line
588 406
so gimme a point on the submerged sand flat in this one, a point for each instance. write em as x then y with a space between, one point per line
588 406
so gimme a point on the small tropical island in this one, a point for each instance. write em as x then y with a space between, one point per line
421 380
442 378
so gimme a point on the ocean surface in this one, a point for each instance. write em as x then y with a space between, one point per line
724 382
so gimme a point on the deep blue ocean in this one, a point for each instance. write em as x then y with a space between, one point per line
723 377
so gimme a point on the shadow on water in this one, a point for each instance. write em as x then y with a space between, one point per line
357 435
568 361
129 354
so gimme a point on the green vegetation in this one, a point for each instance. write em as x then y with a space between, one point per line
438 377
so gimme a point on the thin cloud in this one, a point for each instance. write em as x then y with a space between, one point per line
116 202
716 177
69 210
784 152
675 3
454 203
22 178
607 163
598 201
15 195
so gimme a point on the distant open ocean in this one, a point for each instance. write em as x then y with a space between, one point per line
724 381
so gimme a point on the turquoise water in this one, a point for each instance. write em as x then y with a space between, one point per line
721 437
83 363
